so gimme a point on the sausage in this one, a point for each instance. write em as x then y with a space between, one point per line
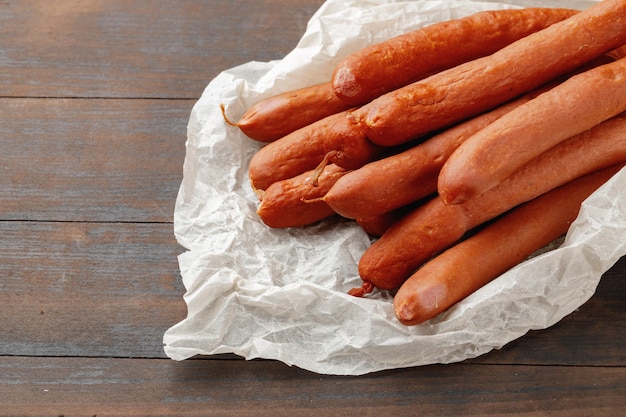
448 279
407 243
476 86
335 139
406 176
396 62
618 53
378 224
492 154
434 226
397 180
279 115
375 226
298 201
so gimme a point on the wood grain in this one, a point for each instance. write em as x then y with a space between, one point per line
95 96
143 48
88 289
123 387
91 160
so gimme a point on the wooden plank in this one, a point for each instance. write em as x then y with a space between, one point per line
112 289
88 289
91 160
88 273
120 387
143 48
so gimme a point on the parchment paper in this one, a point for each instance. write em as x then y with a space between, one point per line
281 294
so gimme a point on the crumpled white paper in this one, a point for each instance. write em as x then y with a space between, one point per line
281 294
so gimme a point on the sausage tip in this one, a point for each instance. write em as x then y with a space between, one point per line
403 313
366 288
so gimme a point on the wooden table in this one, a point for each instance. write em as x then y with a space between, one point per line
95 98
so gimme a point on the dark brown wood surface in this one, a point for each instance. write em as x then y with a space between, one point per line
94 101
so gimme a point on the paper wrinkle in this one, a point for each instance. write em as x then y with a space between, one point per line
281 293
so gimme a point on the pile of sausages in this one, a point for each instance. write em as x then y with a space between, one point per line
461 147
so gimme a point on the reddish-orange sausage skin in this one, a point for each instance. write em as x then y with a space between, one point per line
279 115
495 152
377 225
298 201
396 62
397 180
476 86
434 226
337 137
464 268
